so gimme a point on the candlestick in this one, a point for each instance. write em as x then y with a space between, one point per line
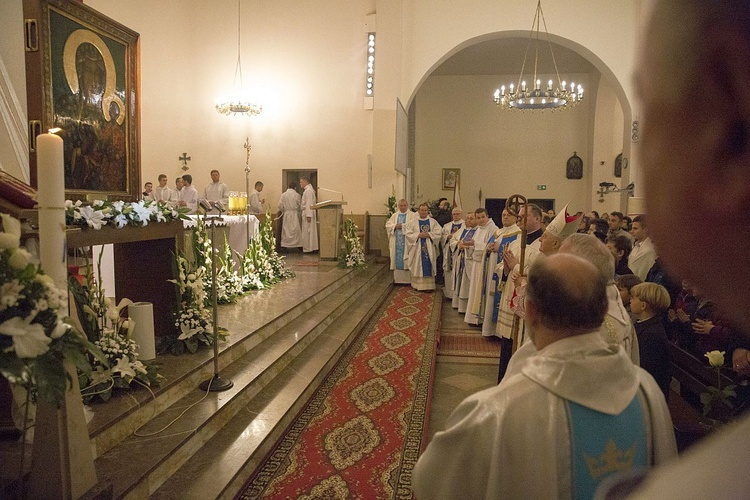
51 202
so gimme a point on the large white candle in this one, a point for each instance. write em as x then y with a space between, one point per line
51 199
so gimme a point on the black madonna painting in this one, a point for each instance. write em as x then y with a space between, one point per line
92 71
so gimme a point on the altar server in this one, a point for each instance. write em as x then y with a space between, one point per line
289 206
309 217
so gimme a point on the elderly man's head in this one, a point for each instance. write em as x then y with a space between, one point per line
565 296
696 152
403 205
507 219
591 249
457 214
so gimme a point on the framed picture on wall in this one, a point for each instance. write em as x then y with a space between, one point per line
87 68
450 178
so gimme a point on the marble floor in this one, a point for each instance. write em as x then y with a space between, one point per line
457 377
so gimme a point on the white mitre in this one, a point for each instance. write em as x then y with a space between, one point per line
563 225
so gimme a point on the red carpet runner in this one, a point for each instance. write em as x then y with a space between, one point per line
361 433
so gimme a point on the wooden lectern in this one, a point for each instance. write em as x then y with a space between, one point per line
329 218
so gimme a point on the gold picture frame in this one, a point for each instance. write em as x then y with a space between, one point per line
450 177
88 69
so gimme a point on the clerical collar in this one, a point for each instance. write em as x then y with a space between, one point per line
533 236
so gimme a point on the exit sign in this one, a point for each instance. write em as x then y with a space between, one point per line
541 187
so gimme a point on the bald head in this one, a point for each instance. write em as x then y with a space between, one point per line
566 295
591 249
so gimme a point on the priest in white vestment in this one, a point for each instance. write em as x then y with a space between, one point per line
492 261
460 244
573 414
162 193
450 229
254 201
189 195
643 255
618 327
174 196
309 217
291 230
485 230
395 227
217 190
422 236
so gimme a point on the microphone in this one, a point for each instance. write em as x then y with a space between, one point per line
218 205
205 205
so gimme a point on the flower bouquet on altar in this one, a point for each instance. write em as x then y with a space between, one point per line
353 255
35 337
118 366
120 213
193 321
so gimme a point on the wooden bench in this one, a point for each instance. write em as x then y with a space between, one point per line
694 376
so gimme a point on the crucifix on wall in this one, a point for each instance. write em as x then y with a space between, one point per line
184 159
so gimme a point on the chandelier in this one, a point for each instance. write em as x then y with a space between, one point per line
238 103
556 95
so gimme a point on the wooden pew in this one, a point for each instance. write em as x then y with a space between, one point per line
694 376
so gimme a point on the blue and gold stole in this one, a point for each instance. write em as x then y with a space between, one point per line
496 279
400 242
424 227
466 236
601 444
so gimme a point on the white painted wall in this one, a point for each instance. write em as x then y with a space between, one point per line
308 59
501 152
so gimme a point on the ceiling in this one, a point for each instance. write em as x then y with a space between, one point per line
503 56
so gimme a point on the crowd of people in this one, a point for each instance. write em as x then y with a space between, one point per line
574 413
299 220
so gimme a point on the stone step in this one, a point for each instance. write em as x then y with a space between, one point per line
229 458
139 464
274 308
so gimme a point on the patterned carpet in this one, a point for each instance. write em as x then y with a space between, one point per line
361 433
470 343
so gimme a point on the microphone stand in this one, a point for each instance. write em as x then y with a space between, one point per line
215 383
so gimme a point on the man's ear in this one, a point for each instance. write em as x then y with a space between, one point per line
725 64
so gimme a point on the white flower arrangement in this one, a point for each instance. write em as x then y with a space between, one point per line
192 320
35 337
120 214
353 255
117 365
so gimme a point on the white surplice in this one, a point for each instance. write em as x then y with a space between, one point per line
309 227
476 255
254 203
400 276
446 235
217 191
513 440
291 229
642 258
491 260
162 194
505 313
190 196
414 249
